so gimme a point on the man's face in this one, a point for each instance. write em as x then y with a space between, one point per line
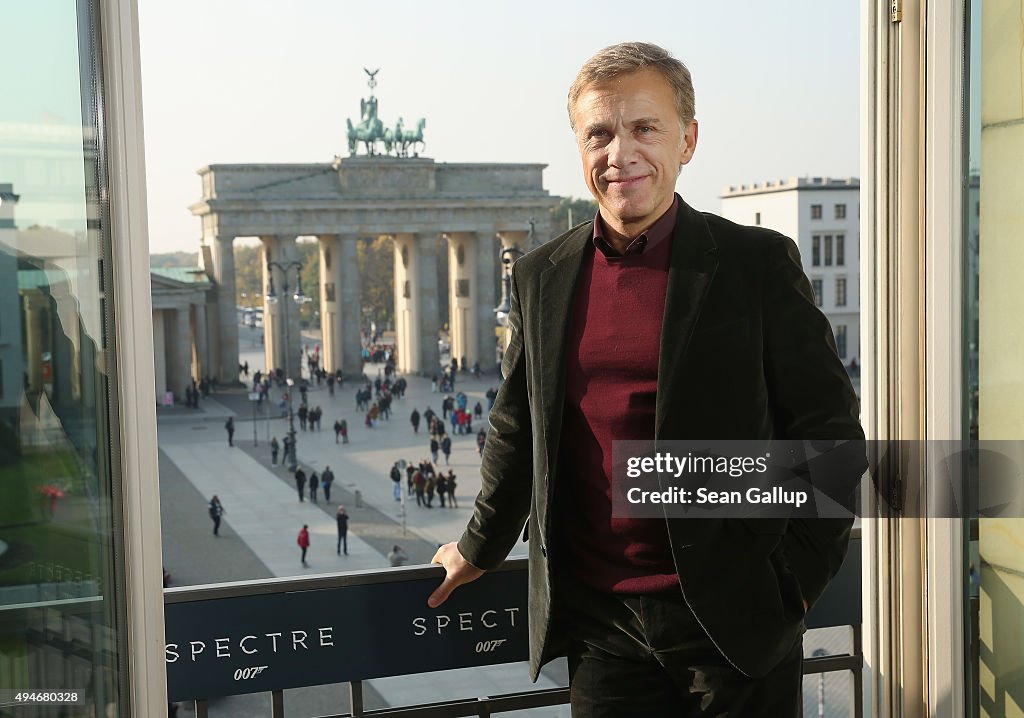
632 146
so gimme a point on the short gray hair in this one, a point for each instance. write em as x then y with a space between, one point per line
629 57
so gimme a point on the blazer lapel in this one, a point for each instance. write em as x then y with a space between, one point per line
557 289
691 269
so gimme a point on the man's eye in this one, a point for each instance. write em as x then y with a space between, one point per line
645 130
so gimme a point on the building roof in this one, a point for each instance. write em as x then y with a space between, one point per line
187 275
789 184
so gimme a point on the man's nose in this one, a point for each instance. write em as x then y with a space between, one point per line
621 150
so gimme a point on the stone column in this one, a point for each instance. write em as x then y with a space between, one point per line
416 313
462 295
160 355
281 249
201 362
340 303
179 359
486 298
225 318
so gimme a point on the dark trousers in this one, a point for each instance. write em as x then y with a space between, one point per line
216 525
648 656
327 492
303 554
343 542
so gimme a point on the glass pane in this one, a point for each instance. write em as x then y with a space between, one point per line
59 582
993 386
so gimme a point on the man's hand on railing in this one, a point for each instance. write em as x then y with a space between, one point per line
458 571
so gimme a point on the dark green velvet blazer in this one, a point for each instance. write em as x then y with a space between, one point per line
745 354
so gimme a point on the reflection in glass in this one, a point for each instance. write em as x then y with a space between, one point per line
59 584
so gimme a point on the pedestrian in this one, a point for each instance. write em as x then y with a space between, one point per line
216 511
420 484
342 518
433 448
442 488
303 413
274 448
314 484
303 542
397 557
446 447
478 410
452 503
481 439
300 483
396 478
337 430
492 393
326 479
415 420
230 426
431 485
344 431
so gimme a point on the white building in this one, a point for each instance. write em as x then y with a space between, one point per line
821 215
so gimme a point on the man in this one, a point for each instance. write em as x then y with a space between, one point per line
326 479
300 483
655 321
229 425
397 556
342 518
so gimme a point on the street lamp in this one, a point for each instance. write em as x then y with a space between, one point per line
291 458
508 256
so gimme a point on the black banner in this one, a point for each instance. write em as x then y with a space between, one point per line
256 643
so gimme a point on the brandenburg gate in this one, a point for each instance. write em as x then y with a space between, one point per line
413 200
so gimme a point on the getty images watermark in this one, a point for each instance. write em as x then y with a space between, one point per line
817 479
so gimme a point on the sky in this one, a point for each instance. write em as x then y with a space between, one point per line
253 81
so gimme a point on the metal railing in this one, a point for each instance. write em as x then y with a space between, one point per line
839 606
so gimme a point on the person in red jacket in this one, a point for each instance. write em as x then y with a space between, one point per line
304 542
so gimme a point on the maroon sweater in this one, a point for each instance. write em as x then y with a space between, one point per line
611 378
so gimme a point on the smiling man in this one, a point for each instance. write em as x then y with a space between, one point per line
655 321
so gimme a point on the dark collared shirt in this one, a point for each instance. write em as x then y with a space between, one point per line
658 232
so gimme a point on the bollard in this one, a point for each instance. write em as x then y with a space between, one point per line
359 499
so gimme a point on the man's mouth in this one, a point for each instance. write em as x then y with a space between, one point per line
624 181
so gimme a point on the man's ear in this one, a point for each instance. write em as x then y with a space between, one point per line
689 142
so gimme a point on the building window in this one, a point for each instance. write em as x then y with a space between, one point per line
840 211
816 285
757 218
828 250
841 340
840 291
816 250
815 211
840 250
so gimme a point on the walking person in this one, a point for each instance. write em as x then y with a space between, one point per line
230 426
452 503
481 439
303 542
344 431
415 421
300 483
337 430
446 447
274 448
216 511
433 448
431 485
326 479
420 484
314 484
342 519
396 479
442 488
